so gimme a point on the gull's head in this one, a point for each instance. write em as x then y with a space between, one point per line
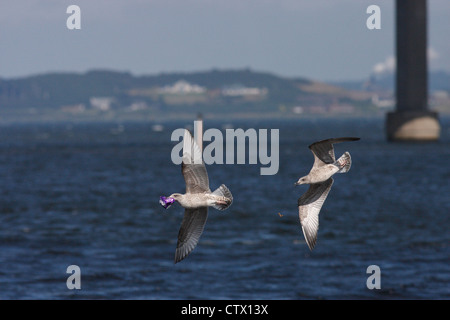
176 196
302 180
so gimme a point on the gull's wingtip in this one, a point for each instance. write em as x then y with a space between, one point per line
310 238
180 255
177 258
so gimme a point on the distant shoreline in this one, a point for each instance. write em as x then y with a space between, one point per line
43 118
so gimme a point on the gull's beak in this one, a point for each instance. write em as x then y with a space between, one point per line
296 184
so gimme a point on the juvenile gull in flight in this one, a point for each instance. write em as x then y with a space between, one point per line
320 181
197 199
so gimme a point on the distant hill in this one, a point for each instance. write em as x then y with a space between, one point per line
112 93
437 81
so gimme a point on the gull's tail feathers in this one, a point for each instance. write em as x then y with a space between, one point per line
344 163
226 198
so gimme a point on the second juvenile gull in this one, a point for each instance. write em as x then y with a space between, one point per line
320 181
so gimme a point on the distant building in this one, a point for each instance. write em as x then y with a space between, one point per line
101 103
137 106
383 102
440 95
237 90
297 110
182 87
439 100
75 108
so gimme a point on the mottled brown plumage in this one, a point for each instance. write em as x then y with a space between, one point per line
197 199
320 181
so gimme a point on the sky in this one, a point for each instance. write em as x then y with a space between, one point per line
323 40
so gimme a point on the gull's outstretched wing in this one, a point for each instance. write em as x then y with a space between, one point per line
323 150
191 229
192 167
309 205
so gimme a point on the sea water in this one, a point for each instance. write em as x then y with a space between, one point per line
87 194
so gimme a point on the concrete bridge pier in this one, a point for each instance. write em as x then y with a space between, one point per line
413 126
412 120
